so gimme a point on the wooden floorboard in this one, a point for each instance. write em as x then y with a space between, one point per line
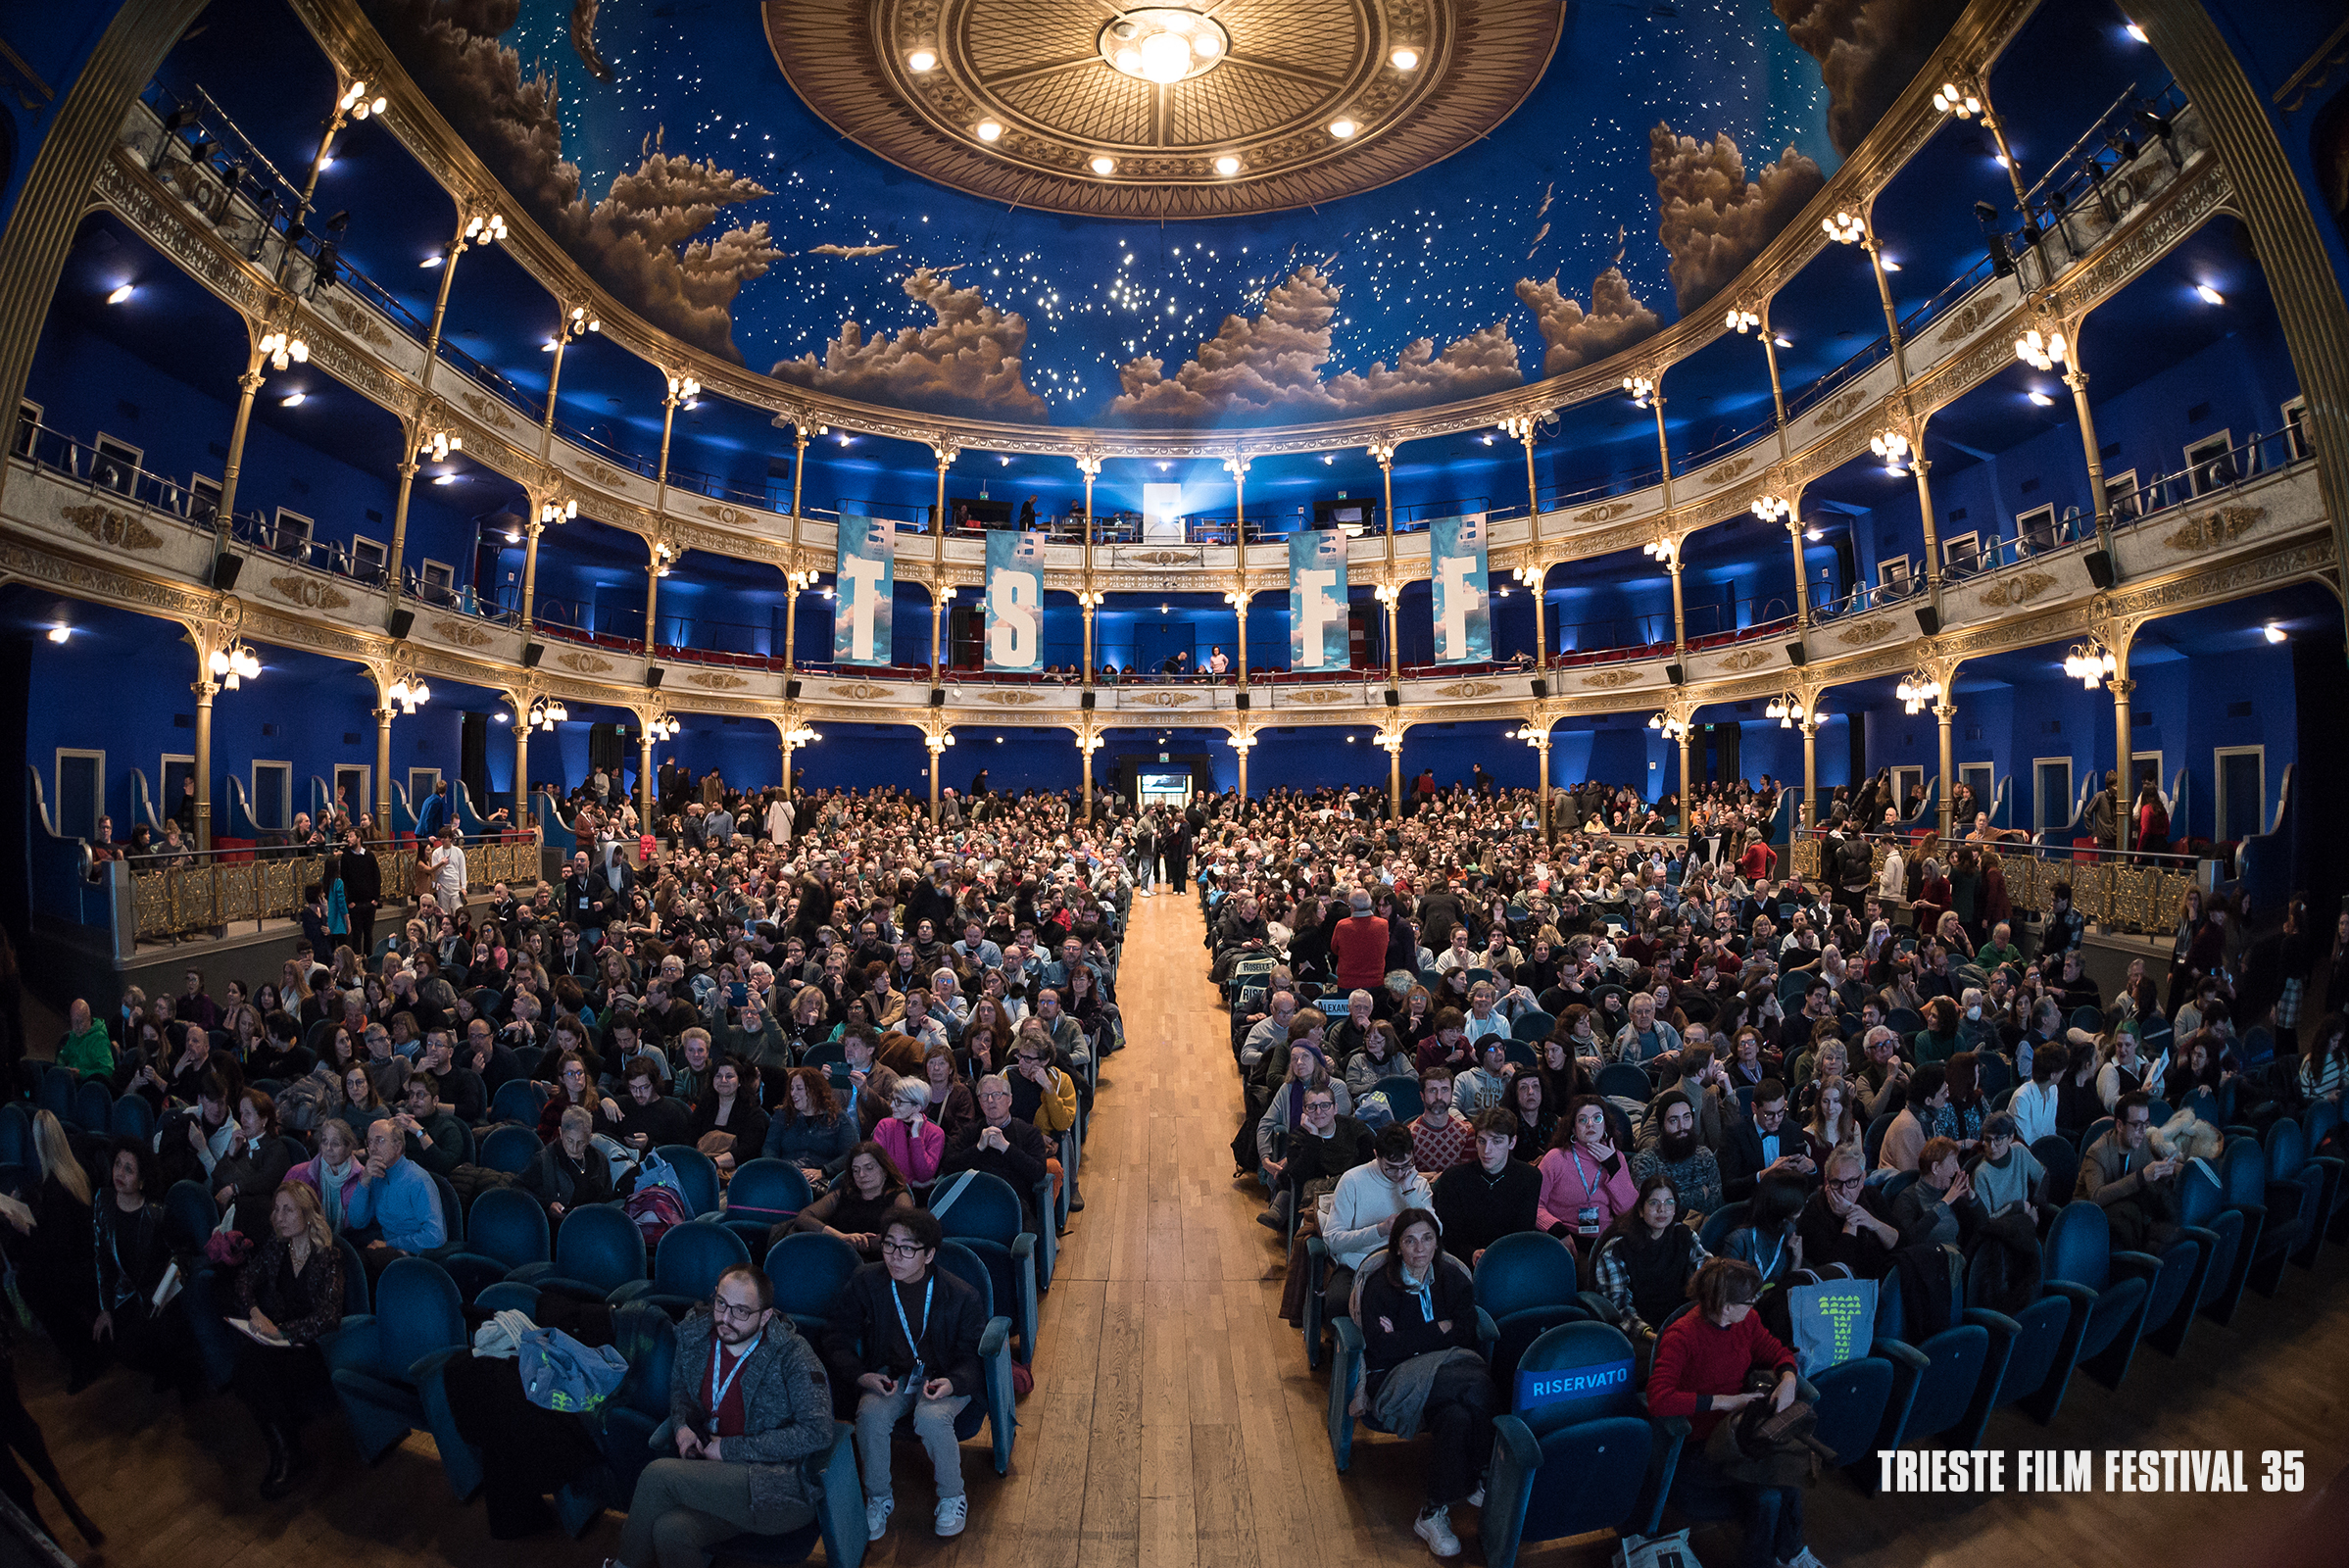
1174 1424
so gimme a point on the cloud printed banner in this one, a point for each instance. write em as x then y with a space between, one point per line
1014 601
866 568
1462 592
1317 619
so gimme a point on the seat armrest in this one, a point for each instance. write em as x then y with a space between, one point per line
1350 1335
1601 1309
2001 1326
2135 1265
1023 1246
433 1360
1901 1353
1488 1334
664 1438
350 1343
2072 1290
623 1294
1514 1441
996 1338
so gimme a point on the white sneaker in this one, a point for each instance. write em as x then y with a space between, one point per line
1475 1498
876 1516
1801 1559
1435 1528
952 1512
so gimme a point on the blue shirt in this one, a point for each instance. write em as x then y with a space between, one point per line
405 1203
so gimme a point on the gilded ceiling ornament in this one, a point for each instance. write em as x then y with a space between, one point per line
2214 528
117 530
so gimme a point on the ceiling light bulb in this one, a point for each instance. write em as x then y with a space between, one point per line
292 400
989 130
1227 166
1342 129
1208 44
2210 295
1103 164
2137 33
2274 633
118 295
922 60
1129 61
1892 265
219 663
57 634
2042 400
1404 59
1166 58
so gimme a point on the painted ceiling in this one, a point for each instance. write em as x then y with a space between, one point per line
1662 145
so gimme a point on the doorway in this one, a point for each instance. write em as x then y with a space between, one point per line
2242 773
80 790
2051 794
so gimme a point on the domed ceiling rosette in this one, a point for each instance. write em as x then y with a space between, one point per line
1216 109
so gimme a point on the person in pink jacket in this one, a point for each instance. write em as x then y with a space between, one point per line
915 1144
1586 1182
334 1174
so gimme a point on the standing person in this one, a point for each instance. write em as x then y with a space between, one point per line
747 1401
132 1254
1174 850
448 878
1358 945
291 1293
362 890
906 1335
1146 856
51 1250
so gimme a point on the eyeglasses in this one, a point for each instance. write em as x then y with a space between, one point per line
721 1307
904 1249
1847 1184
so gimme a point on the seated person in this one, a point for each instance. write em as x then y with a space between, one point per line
1646 1263
1586 1182
396 1211
1765 1144
905 1334
1904 1140
858 1207
647 1117
1001 1145
1363 1208
1324 1146
2132 1177
1844 1221
1695 1174
570 1172
1421 1369
748 1400
1482 1199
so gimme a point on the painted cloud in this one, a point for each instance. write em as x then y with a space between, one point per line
1271 366
969 362
1868 51
629 241
1712 220
1577 337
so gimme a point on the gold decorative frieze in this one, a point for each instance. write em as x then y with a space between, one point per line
2214 529
309 593
2020 589
1842 405
488 410
1745 659
1011 696
1604 511
1860 633
358 320
715 680
1462 690
1725 473
585 663
1607 680
117 530
1159 700
464 633
1969 318
861 691
1317 696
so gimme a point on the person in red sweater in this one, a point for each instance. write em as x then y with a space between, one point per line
1358 945
1702 1361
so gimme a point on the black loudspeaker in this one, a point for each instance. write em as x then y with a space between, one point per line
1797 654
1085 701
791 689
937 697
1928 619
1674 674
2100 567
400 620
532 653
1541 686
652 674
224 568
1240 700
1394 699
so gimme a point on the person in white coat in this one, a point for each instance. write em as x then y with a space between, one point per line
778 820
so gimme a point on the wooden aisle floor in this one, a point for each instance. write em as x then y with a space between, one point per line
1174 1424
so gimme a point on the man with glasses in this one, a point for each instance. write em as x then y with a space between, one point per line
1765 1145
1363 1208
748 1400
1323 1147
2131 1178
1001 1144
905 1335
1845 1220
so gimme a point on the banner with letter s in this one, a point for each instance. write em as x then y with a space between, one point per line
1014 601
1463 598
1318 637
866 568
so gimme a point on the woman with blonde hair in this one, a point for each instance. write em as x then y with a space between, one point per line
291 1292
52 1249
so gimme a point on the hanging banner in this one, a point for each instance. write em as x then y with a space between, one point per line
1463 593
1317 624
1014 601
866 568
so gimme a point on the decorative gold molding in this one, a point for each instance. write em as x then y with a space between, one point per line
358 320
1607 680
1160 699
2020 589
1840 407
1463 690
1313 697
585 663
464 633
487 409
1604 511
117 530
715 680
1745 659
1862 632
1968 318
1724 473
309 593
2214 529
1011 696
861 691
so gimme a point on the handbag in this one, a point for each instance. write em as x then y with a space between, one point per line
228 1245
1763 1446
1833 1322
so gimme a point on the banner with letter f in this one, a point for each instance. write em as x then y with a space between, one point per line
1463 598
866 568
1318 635
1014 601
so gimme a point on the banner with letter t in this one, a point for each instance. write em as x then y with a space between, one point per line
866 568
1014 601
1463 597
1318 634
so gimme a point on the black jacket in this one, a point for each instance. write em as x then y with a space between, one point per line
864 1335
363 879
1478 1209
1740 1153
1022 1165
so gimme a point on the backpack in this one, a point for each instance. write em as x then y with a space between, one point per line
654 1207
304 1103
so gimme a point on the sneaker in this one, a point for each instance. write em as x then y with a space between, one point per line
876 1516
1271 1221
1801 1559
952 1512
1435 1528
1475 1498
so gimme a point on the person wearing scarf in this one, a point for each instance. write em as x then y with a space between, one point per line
335 1173
1420 1368
1646 1263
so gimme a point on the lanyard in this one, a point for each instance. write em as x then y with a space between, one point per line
914 1340
1590 1182
1774 1254
717 1355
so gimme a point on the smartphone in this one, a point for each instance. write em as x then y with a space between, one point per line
738 990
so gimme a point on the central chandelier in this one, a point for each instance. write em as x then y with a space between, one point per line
1163 44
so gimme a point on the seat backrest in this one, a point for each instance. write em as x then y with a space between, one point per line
2080 1246
56 1093
1531 1024
517 1099
510 1149
16 1134
1899 1183
2243 1171
189 1214
647 1340
766 1191
2060 1160
810 1270
825 1055
1575 1372
692 1256
452 1208
131 1117
1872 1141
987 1208
964 1264
355 1276
2287 1151
2097 1129
697 1171
1522 1269
1402 1095
1622 1080
93 1105
418 1310
2200 1200
508 1225
1718 1224
2089 1018
600 1245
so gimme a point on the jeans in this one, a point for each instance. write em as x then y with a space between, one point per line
877 1416
683 1507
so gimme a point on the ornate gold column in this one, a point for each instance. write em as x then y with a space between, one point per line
660 554
1944 715
1237 467
796 578
206 688
646 803
1089 598
1534 574
937 736
574 322
1088 742
384 778
474 228
1244 741
248 386
521 759
945 451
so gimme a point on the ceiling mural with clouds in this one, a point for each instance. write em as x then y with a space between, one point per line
1658 145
